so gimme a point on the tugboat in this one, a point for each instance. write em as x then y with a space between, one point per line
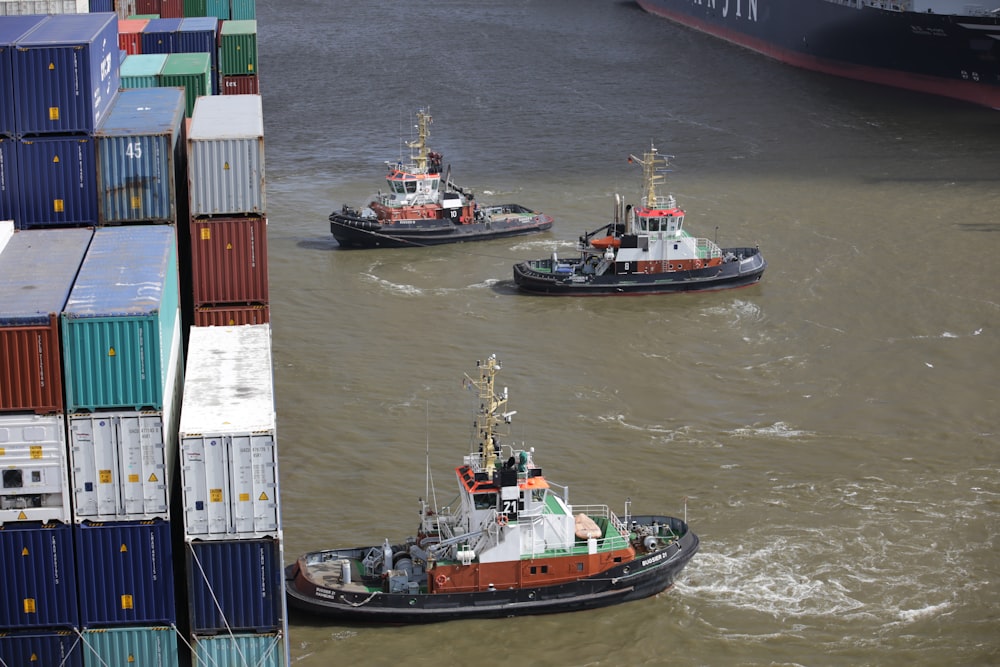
421 209
510 544
644 250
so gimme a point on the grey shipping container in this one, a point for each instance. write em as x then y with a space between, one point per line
228 442
123 462
34 474
226 156
119 320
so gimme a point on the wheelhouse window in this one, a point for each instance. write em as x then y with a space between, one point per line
485 501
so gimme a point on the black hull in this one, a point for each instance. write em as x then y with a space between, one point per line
940 54
645 576
356 232
727 276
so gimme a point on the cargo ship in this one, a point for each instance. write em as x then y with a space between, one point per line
949 48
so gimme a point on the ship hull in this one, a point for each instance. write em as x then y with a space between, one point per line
360 232
643 577
537 277
939 54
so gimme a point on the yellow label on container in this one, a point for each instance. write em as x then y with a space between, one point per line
29 605
263 496
35 451
244 497
133 478
126 602
53 113
104 476
58 205
3 452
206 234
154 478
215 495
136 201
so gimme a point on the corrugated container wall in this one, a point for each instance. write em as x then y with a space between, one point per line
130 35
226 156
243 10
146 646
238 47
191 71
34 472
246 84
228 443
11 29
172 8
259 650
218 9
39 577
159 35
125 573
142 70
236 585
66 74
123 463
229 261
228 316
119 320
10 191
125 8
139 155
58 181
41 648
200 34
143 7
37 272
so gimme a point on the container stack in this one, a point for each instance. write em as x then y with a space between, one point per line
228 225
123 367
39 612
230 496
238 71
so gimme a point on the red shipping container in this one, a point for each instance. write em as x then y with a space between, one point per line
130 35
31 368
143 7
171 9
243 84
231 316
229 261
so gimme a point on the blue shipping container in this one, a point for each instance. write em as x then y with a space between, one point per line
125 573
12 28
139 154
58 181
199 34
10 193
38 575
66 73
268 650
119 321
41 648
147 646
235 585
160 36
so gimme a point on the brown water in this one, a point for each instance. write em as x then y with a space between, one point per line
833 429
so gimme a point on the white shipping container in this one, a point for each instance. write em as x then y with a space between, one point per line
228 442
225 151
27 7
34 476
123 461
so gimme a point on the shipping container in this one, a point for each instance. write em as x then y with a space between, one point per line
10 192
130 35
194 8
11 29
228 316
34 473
40 649
265 650
119 320
229 261
200 34
228 443
243 10
171 9
143 7
191 71
143 646
125 573
235 585
57 180
159 35
226 156
245 84
66 74
218 9
142 70
238 47
39 577
123 463
37 271
139 156
125 8
42 7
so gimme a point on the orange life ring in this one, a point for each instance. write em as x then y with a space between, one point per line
441 580
502 519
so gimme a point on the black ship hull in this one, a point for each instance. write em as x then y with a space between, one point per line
645 576
955 56
538 277
359 232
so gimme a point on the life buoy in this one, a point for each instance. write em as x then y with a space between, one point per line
502 519
441 580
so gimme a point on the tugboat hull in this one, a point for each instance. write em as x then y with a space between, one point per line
358 232
565 279
651 573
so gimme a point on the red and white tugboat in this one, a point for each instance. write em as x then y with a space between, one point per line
421 209
510 544
644 250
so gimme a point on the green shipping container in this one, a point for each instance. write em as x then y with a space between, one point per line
192 71
241 10
148 646
238 48
195 8
260 650
218 9
120 320
142 70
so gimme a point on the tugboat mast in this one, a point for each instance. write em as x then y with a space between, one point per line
420 145
652 164
490 414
